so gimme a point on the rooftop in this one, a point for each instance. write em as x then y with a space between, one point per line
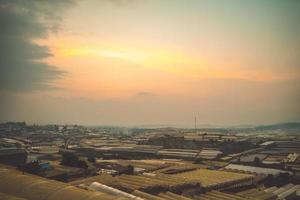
258 170
32 187
212 177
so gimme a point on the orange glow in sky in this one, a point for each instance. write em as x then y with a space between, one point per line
97 69
158 61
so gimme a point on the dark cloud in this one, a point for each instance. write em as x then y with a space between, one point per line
21 22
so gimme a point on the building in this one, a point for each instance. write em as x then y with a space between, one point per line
209 154
256 170
178 153
13 156
30 187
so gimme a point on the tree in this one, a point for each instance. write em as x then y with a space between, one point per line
199 160
69 159
82 164
130 169
66 139
91 159
32 167
257 161
279 180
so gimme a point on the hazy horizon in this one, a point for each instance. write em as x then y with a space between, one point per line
134 63
187 126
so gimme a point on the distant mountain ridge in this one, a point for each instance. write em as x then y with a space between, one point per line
288 125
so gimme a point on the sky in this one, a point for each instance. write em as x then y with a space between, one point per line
150 62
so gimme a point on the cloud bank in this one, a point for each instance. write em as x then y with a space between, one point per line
22 22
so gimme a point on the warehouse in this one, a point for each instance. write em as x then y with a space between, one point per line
178 153
256 170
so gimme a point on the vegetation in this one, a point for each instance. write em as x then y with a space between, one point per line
198 160
70 159
32 167
127 170
91 159
279 181
257 162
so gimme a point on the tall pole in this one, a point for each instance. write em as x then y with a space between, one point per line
195 125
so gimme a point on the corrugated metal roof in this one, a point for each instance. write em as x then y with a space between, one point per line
258 170
267 143
271 189
283 189
289 192
10 151
32 187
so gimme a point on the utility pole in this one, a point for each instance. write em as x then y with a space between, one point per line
195 124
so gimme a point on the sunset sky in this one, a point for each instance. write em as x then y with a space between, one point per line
150 62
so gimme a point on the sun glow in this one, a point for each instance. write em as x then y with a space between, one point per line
163 59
